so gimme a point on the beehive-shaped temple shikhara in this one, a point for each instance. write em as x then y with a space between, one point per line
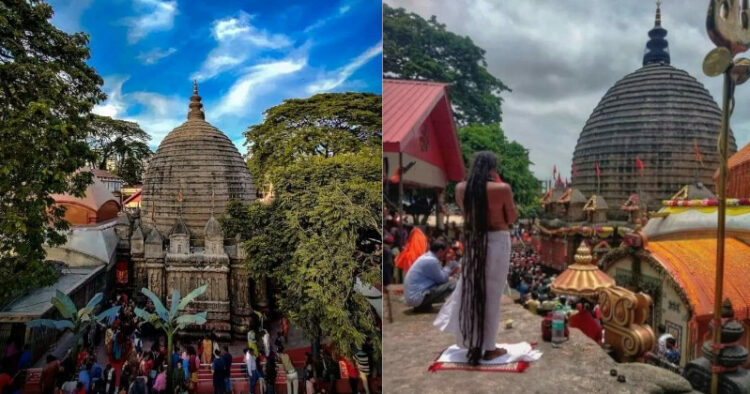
658 113
196 169
175 241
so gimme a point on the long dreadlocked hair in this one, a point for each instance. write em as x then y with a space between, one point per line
473 291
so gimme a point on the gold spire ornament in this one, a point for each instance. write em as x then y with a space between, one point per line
583 278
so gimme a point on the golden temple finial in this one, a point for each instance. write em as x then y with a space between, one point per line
195 110
583 254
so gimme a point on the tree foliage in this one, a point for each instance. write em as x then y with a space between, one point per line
414 48
121 141
314 239
319 232
513 163
322 125
46 96
77 320
172 320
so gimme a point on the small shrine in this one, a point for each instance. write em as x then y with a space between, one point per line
596 209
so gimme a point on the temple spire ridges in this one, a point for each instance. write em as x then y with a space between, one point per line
195 110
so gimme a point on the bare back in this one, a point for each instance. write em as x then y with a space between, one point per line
501 209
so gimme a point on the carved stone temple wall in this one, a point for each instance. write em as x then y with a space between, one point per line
175 241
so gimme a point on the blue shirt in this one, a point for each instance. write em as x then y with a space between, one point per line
84 378
424 274
673 355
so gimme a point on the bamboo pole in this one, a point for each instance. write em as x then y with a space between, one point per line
721 228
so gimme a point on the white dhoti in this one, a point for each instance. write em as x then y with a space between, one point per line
496 272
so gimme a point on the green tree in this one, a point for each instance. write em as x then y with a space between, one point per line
414 48
324 125
315 239
513 163
76 320
172 320
121 141
46 95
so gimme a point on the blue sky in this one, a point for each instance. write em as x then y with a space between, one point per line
246 55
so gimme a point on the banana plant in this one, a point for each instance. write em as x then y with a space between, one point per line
74 319
171 320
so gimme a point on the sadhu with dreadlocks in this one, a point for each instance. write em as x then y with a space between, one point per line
473 310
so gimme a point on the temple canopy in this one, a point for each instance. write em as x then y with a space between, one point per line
418 124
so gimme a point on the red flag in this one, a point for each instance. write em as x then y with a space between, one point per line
598 170
639 164
396 178
575 170
697 151
559 181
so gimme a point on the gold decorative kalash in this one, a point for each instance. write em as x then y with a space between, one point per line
583 278
623 311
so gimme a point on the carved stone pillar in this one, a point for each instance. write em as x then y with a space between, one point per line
240 301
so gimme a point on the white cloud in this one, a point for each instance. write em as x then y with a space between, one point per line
237 39
340 12
154 15
155 55
157 114
114 106
336 78
247 87
67 16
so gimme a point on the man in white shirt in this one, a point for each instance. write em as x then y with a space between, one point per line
252 368
661 348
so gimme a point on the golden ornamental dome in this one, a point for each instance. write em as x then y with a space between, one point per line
583 278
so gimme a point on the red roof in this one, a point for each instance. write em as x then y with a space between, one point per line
738 174
136 197
104 174
415 111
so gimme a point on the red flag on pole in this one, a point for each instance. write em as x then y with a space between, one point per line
575 171
697 151
639 164
598 170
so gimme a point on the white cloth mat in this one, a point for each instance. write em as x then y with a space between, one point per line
516 352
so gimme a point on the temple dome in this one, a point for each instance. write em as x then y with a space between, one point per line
658 113
196 170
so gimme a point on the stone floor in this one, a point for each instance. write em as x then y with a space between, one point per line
411 343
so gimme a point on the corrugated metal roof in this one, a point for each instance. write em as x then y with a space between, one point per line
410 105
406 104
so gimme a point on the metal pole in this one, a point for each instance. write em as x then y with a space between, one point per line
720 232
400 194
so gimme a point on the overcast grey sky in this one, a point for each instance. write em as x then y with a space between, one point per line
560 57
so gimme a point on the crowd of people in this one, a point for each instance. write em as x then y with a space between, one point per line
127 355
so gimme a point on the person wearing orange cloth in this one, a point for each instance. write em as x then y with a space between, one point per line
415 246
